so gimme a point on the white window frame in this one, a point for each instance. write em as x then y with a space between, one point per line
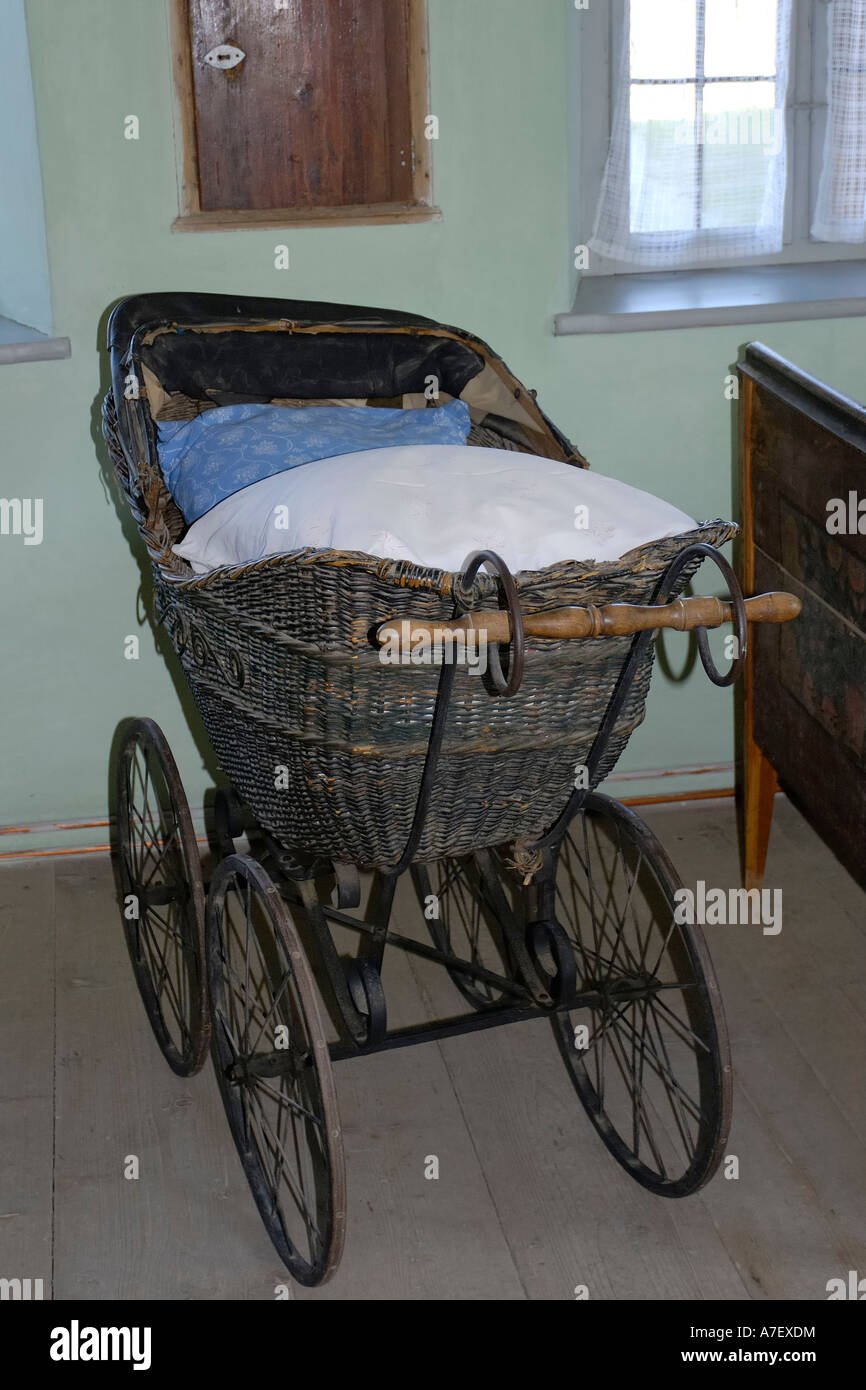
599 33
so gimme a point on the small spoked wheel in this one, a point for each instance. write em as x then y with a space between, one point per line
649 1056
162 895
273 1067
461 920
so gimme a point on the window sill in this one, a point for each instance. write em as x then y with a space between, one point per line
360 216
704 298
18 343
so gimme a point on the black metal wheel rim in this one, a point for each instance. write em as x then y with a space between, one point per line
654 1070
161 893
271 1057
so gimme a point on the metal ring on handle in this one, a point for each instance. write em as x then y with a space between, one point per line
510 684
741 623
637 652
446 686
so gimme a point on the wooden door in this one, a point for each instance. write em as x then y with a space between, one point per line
322 112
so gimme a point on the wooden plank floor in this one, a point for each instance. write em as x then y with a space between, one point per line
528 1204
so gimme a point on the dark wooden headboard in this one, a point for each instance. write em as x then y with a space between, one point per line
803 711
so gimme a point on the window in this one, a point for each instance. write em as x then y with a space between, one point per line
715 116
25 300
299 111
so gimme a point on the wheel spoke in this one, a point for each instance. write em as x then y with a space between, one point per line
169 841
599 925
286 981
173 933
617 1049
146 820
244 996
248 1004
220 1018
664 1072
272 1142
283 1099
466 926
677 1024
622 921
276 995
674 1098
167 984
280 1119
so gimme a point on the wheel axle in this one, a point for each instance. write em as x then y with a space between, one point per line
264 1065
624 989
162 894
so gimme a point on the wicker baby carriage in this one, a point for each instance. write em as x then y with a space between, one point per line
526 878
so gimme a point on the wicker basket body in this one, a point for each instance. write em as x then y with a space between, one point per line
324 740
327 743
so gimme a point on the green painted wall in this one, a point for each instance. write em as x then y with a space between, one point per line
649 408
24 291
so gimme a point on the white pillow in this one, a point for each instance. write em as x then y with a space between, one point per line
433 504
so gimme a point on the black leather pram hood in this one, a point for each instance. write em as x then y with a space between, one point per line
224 348
167 307
228 366
265 364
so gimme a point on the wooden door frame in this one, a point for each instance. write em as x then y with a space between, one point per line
192 218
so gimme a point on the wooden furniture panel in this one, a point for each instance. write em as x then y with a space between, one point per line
323 115
803 713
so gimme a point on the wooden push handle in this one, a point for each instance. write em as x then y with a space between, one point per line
611 620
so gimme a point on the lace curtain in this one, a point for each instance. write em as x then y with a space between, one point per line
696 168
840 213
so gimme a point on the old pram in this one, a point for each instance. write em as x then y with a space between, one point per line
541 897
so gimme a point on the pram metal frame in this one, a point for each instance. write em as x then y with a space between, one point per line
368 1033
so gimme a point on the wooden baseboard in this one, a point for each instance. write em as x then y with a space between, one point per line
67 828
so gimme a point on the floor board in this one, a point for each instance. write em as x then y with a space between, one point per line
27 1072
795 1216
186 1228
528 1204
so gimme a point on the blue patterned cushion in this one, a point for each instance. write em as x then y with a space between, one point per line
223 450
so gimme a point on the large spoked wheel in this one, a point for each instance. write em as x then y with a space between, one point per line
462 921
652 1063
271 1057
162 895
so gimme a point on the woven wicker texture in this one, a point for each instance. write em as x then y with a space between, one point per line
326 743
